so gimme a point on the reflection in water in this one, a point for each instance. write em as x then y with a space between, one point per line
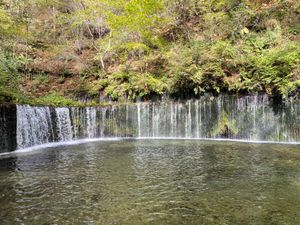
152 182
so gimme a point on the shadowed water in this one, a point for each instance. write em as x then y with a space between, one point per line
157 182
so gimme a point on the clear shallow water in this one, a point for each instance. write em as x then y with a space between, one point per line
153 182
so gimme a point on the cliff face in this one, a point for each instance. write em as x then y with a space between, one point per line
8 128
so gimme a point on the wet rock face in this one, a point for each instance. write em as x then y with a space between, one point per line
8 128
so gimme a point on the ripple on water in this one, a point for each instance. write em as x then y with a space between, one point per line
153 182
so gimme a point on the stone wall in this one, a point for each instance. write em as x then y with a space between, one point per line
8 128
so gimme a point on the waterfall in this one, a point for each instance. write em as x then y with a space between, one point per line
255 118
34 126
139 119
91 122
63 123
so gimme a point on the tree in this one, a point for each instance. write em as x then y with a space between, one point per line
123 22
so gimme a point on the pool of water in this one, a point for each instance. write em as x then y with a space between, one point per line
157 182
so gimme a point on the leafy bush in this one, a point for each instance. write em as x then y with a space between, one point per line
134 85
132 50
54 99
9 66
9 77
135 49
271 69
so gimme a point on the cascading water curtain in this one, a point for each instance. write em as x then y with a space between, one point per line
253 118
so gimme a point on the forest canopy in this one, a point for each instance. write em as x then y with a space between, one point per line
57 51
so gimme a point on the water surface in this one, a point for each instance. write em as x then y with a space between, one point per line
157 182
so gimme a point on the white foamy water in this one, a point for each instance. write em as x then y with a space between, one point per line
250 118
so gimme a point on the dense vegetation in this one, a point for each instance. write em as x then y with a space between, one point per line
56 51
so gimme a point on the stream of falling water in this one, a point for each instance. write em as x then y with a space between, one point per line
253 118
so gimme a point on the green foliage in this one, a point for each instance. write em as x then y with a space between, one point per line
6 24
271 69
134 49
134 85
145 84
223 50
137 16
131 50
54 99
11 95
224 128
41 78
9 66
